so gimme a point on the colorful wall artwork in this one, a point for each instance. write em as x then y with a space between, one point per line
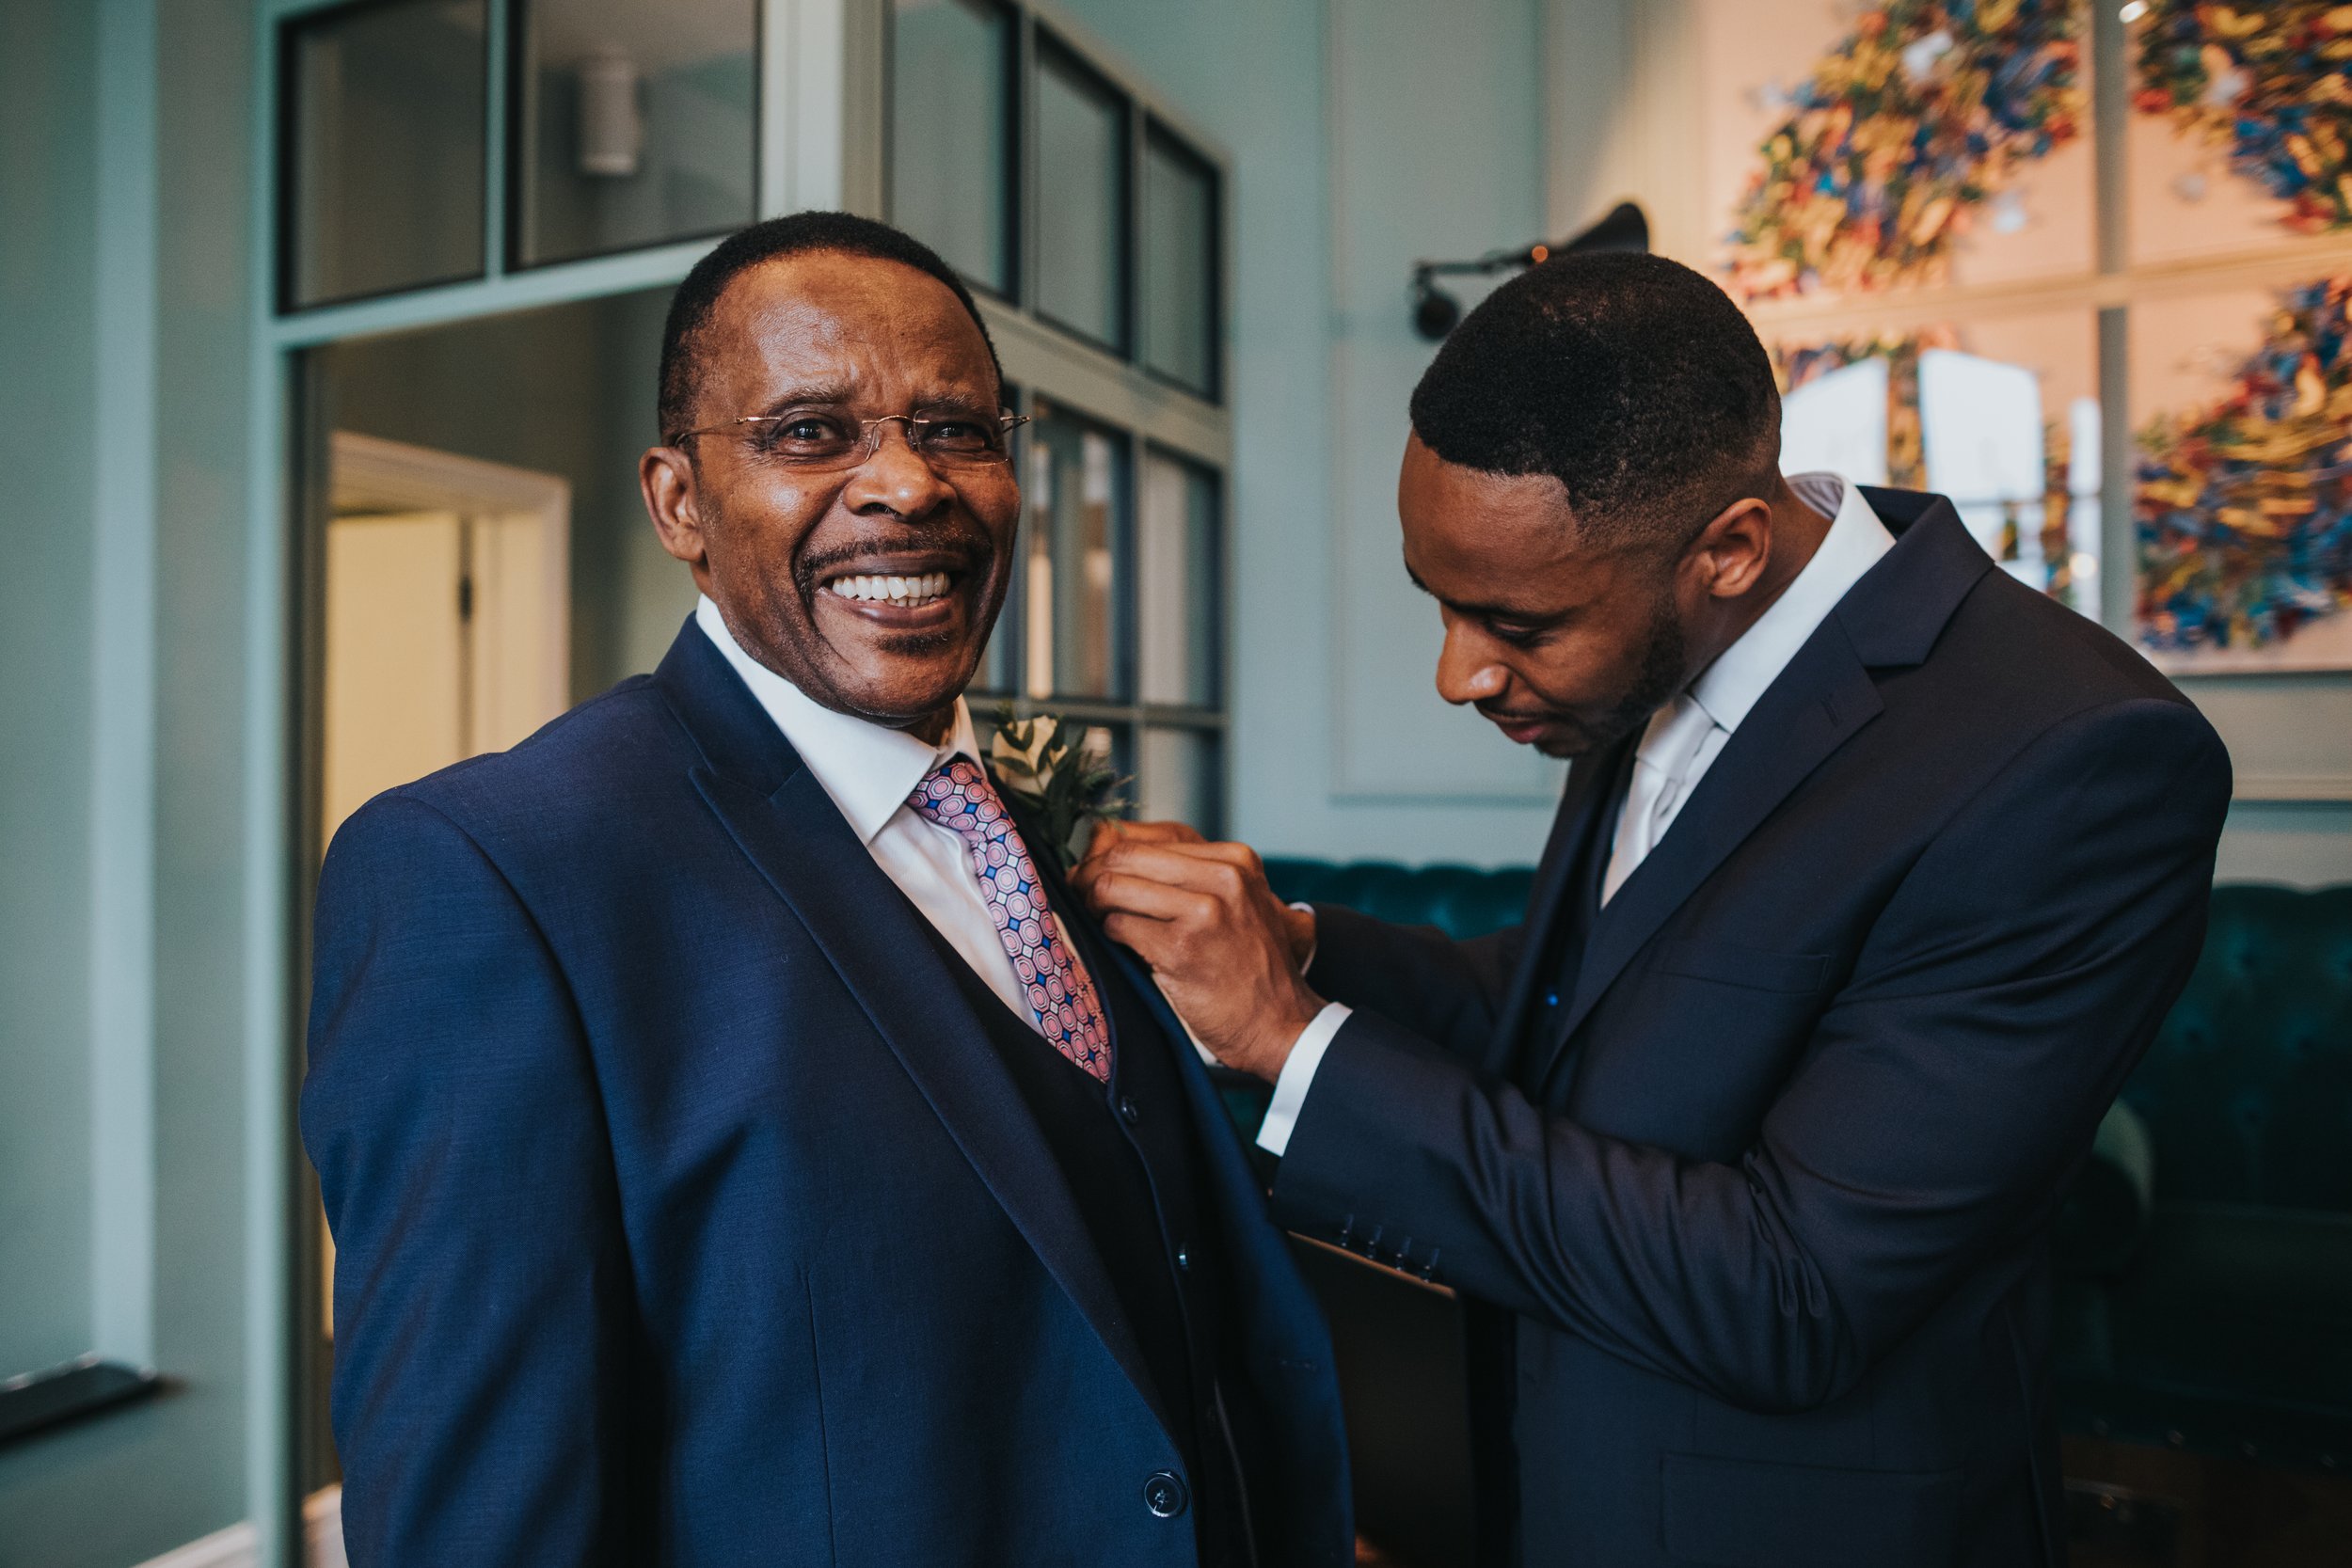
2243 501
2241 143
1867 160
1854 149
2241 136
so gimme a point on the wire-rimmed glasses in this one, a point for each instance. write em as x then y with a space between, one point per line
822 441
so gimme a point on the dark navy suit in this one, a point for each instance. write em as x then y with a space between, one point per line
696 1205
1749 1174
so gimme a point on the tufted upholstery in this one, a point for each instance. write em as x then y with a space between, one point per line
2222 1321
2229 1329
2248 1090
1458 900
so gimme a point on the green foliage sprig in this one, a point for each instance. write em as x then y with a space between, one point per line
1061 774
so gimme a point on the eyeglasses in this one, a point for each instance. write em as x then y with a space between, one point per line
821 442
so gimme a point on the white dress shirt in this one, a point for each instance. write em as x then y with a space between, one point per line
1686 736
869 771
1683 739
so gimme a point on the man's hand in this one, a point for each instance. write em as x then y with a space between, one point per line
1225 950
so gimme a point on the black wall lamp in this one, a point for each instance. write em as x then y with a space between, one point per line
1435 312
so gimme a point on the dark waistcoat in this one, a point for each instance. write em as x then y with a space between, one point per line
1490 1339
1129 1150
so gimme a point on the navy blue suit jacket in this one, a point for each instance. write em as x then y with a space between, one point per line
1753 1170
683 1216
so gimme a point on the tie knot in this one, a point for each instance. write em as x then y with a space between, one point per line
1676 735
957 795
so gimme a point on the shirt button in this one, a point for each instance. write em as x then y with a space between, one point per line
1127 1110
1164 1495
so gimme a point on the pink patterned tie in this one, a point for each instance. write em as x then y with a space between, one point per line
958 796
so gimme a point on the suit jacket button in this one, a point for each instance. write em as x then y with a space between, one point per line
1127 1110
1183 1258
1165 1495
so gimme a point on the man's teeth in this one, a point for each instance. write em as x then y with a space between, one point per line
888 590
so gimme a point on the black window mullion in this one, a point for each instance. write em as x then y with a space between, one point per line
499 140
1016 171
1131 283
1027 175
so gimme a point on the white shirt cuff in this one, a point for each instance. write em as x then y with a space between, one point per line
1297 1075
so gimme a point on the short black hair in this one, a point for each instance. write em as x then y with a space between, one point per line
794 234
1630 378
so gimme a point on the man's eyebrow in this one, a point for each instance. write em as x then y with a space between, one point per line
834 393
949 398
817 393
1484 611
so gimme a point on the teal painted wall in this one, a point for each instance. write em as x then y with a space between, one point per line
147 381
48 356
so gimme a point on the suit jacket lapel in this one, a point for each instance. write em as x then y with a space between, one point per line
1822 699
1889 620
875 941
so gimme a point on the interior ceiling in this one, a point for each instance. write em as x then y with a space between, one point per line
659 35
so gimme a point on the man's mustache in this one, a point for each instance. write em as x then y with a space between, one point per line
970 549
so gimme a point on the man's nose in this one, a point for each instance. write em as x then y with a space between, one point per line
895 477
1465 672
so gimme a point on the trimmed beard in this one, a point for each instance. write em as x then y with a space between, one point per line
1661 672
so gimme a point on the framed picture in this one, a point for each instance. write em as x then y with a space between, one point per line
1855 150
2240 136
2242 492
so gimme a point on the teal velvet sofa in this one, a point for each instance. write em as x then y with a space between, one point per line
2205 1258
2214 1312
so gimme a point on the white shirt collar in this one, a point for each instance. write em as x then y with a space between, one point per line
1736 681
868 768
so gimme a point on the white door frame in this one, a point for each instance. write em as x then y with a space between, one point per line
369 473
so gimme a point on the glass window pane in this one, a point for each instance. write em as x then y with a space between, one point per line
951 132
386 106
1176 588
1180 249
1075 489
1177 778
638 124
997 676
1081 199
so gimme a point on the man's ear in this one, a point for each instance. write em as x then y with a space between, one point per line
1733 549
666 477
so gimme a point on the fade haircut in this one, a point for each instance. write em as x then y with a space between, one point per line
794 234
1632 380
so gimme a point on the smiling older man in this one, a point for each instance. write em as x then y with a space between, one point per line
711 1182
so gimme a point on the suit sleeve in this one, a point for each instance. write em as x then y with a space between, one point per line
2001 998
1449 993
484 1345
